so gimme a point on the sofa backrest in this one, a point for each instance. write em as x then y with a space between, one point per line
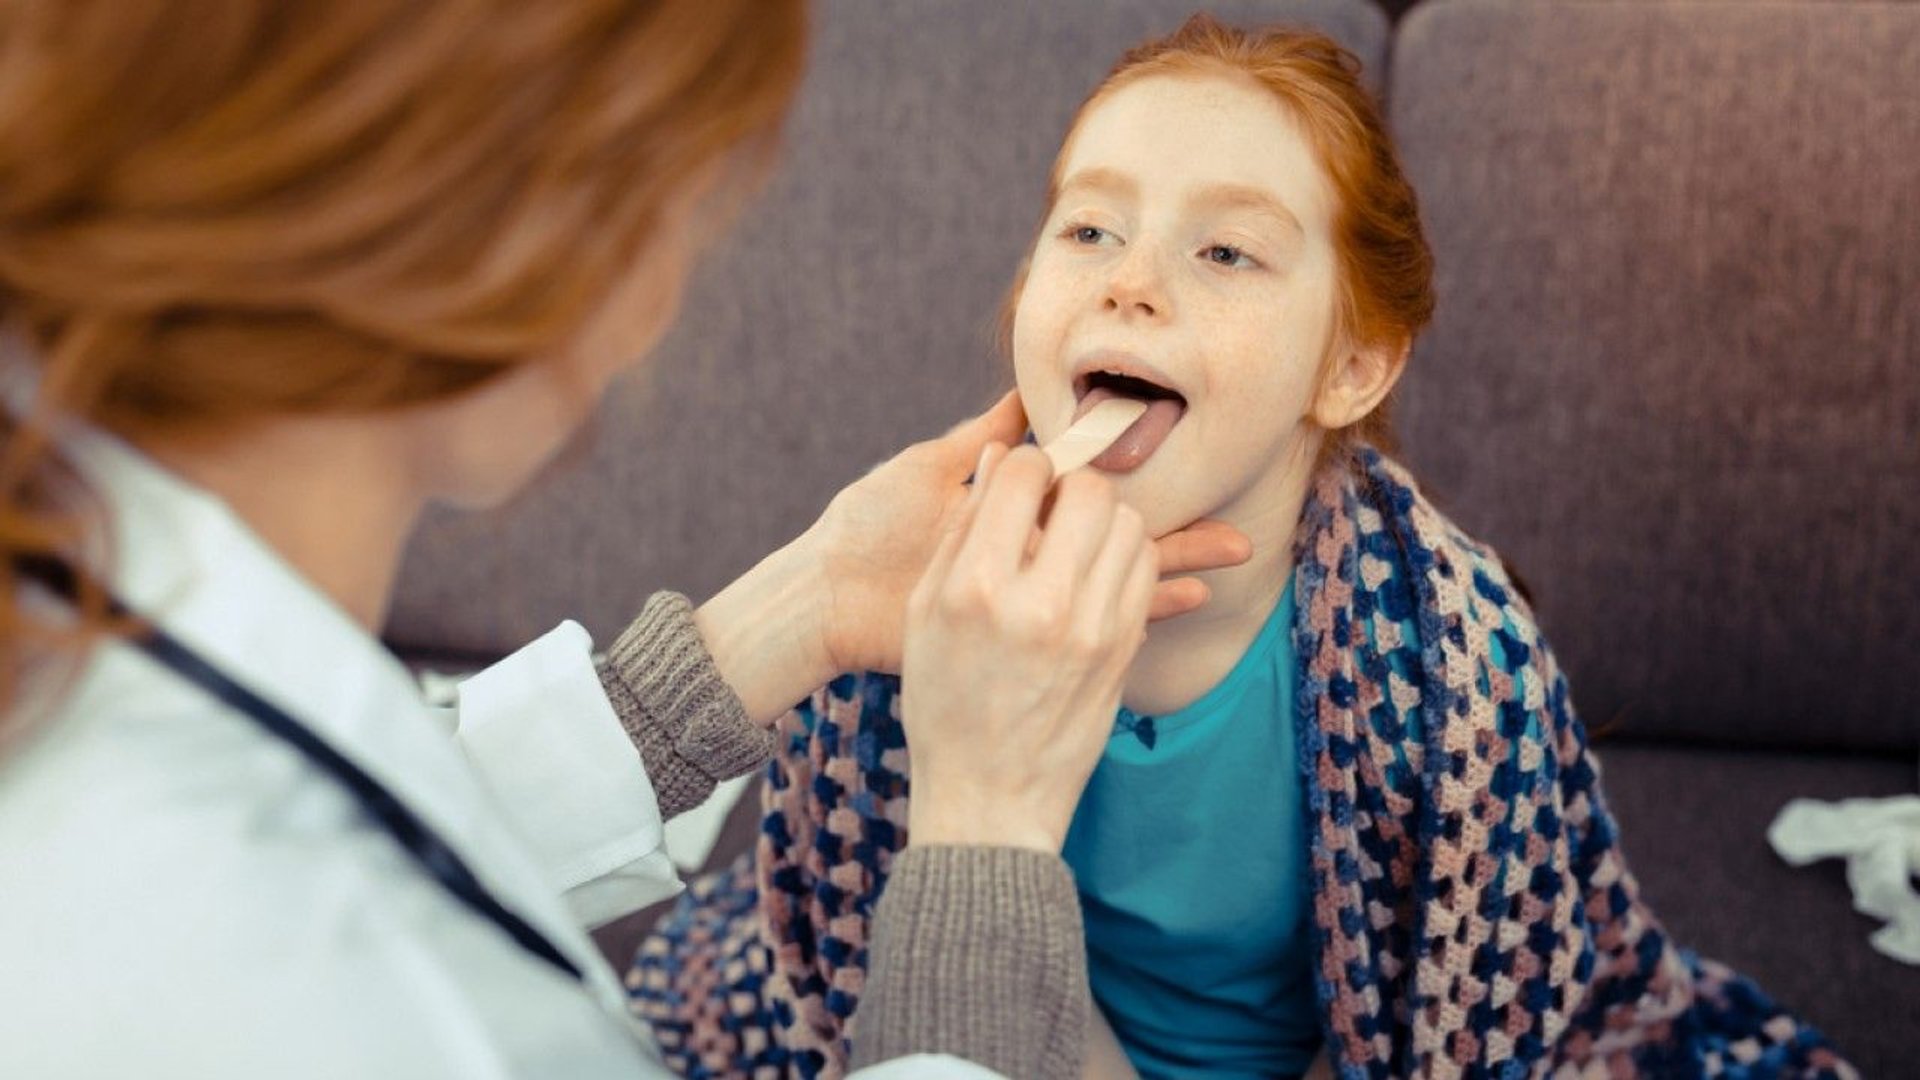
1674 374
848 314
1675 371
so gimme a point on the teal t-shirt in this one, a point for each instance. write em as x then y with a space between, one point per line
1189 849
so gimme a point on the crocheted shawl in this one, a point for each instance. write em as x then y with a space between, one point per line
1473 914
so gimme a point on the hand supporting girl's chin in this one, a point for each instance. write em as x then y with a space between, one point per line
834 600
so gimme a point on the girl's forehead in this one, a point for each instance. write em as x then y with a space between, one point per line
1166 136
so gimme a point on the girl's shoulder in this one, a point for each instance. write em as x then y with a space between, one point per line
1432 567
1439 613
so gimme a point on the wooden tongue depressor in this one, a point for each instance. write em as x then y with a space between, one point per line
1093 433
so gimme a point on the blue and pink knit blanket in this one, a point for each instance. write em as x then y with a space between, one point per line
1473 914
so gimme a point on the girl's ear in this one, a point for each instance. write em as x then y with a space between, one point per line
1358 381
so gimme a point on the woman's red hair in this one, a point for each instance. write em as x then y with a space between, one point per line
214 211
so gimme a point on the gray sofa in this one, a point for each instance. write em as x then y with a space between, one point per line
1674 377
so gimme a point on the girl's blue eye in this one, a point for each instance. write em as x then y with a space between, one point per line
1088 234
1227 255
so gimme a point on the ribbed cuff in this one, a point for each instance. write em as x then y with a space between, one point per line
977 952
688 724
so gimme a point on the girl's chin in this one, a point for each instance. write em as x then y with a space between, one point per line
1155 493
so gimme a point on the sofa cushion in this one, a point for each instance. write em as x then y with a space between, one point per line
1675 371
849 314
1693 823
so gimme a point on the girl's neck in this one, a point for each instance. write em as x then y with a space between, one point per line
1185 657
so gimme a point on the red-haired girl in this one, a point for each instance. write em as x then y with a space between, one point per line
1347 807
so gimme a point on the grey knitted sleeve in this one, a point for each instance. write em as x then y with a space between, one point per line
688 724
977 952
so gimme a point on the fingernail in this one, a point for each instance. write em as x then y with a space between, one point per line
979 478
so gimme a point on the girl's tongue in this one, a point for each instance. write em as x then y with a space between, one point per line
1136 444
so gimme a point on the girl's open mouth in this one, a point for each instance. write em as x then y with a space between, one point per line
1135 445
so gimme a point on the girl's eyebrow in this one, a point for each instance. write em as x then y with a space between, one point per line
1103 181
1244 197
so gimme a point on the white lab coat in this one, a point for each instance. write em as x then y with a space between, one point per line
182 895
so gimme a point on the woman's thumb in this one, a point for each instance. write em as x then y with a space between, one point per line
1004 423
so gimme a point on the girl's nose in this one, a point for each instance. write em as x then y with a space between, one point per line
1137 288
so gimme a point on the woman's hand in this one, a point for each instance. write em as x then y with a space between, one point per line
1016 651
876 537
835 600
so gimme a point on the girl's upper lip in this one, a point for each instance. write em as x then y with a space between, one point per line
1118 362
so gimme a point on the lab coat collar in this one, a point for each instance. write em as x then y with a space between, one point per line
181 557
178 555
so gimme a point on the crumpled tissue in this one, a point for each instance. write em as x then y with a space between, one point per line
1880 839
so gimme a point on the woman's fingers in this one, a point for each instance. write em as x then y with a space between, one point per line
1083 508
958 525
1203 545
1177 596
1104 600
1004 423
1009 504
1136 598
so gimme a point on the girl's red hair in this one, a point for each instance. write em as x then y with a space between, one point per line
1385 289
